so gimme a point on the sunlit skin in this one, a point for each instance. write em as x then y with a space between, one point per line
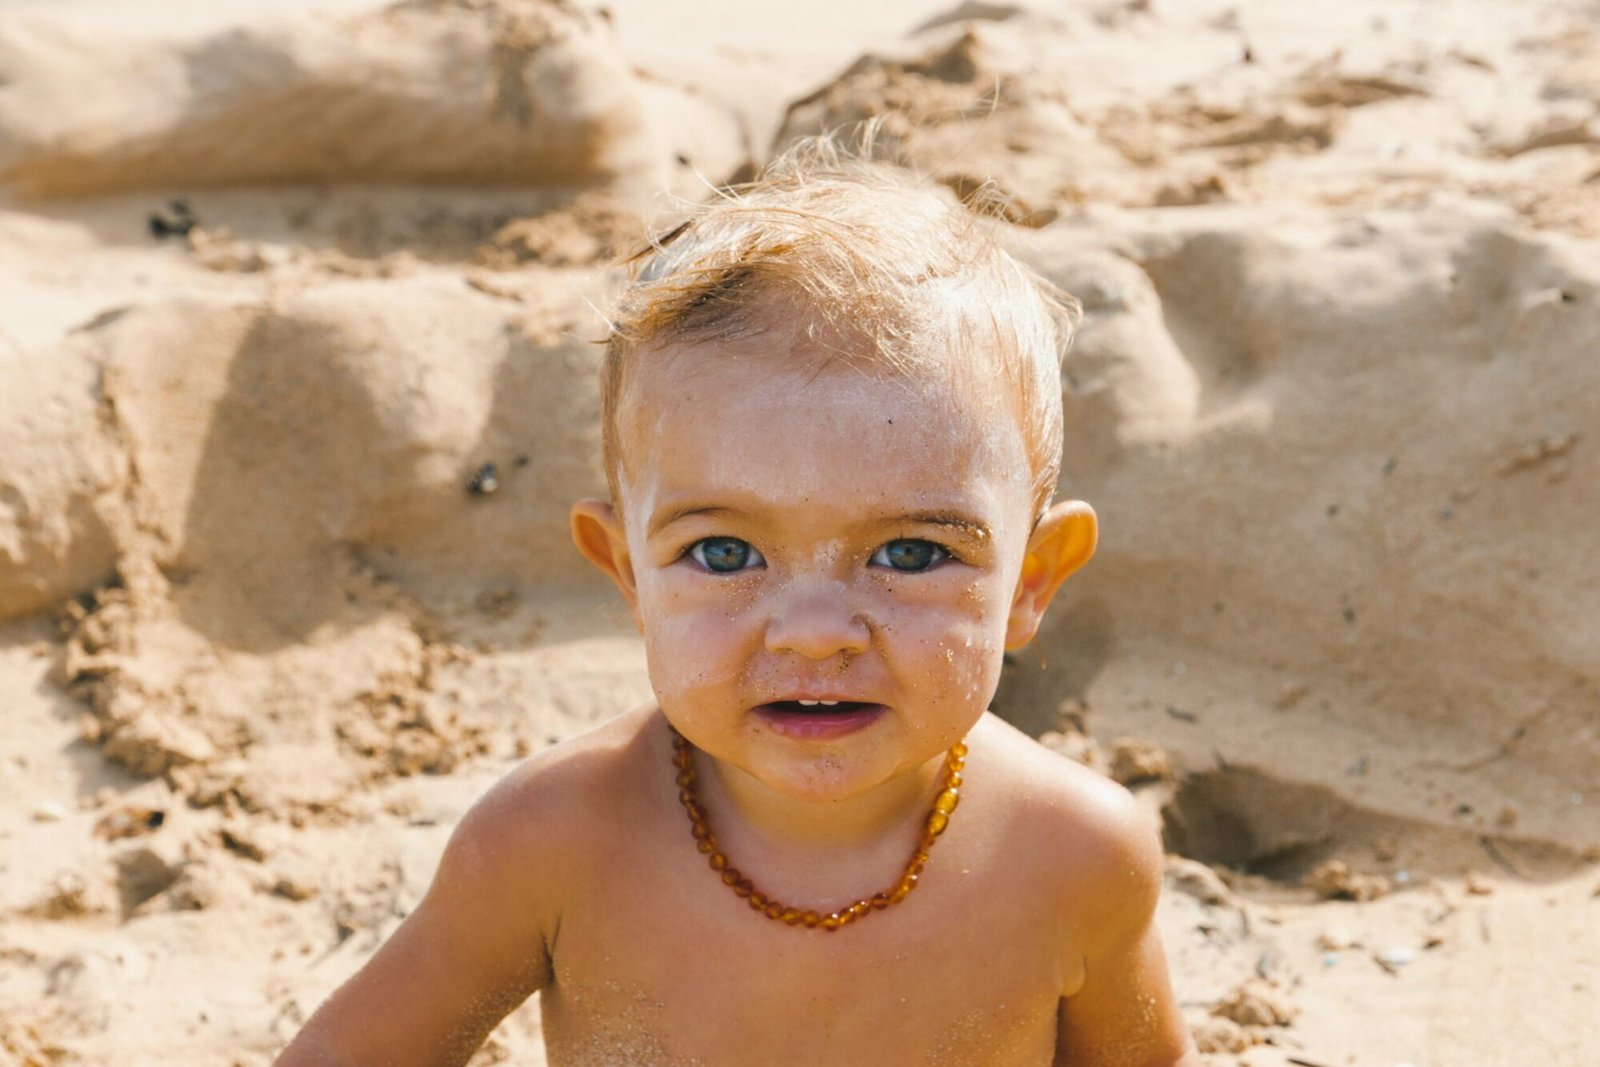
793 528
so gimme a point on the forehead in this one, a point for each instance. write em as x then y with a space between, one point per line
790 420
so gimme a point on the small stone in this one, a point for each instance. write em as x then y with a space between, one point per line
49 811
1393 958
484 481
1478 885
130 820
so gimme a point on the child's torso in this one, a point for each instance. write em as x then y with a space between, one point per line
680 971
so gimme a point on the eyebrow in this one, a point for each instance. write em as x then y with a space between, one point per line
951 520
954 520
667 518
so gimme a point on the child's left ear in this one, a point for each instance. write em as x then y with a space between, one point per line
1062 542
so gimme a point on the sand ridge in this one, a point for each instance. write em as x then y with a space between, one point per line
297 321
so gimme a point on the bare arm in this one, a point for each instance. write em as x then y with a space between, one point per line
475 948
1125 1013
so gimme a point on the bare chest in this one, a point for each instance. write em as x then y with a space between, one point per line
685 973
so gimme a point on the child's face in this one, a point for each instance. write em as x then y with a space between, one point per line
795 531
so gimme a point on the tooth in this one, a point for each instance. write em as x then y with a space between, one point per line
827 703
809 703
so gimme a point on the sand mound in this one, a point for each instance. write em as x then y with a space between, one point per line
967 110
528 91
60 462
1139 104
1369 439
255 441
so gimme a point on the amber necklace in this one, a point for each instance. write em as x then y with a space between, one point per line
945 803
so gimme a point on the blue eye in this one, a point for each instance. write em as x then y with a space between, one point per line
910 555
725 555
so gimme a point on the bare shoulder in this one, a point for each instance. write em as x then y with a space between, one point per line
549 809
491 916
1087 837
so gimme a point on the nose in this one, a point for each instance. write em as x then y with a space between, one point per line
817 623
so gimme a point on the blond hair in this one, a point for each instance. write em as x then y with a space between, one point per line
864 251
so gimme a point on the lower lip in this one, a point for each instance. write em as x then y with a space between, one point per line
819 726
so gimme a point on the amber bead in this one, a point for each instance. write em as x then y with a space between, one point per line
860 908
743 887
937 822
773 909
684 779
718 861
953 781
880 901
701 831
790 915
832 922
810 918
958 751
731 876
758 899
947 801
707 845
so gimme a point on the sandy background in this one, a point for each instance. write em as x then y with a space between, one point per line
1337 399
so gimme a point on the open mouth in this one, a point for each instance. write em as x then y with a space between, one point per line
818 707
818 720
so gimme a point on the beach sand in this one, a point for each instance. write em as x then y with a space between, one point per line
297 321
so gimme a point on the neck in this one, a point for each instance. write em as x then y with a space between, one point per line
863 819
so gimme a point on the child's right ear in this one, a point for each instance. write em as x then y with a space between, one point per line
598 533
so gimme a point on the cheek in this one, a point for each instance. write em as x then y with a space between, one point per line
953 645
691 643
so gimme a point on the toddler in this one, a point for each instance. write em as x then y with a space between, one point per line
832 431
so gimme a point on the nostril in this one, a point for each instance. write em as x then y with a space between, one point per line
817 628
